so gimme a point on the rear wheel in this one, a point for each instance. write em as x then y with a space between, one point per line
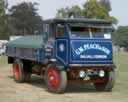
56 80
27 72
108 84
27 76
20 73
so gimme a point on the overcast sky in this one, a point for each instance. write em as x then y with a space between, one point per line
48 8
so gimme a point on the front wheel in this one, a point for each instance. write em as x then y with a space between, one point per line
55 79
108 84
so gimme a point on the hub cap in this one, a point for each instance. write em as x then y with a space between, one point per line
53 78
17 72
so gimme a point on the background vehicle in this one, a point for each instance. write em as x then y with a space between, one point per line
68 51
3 46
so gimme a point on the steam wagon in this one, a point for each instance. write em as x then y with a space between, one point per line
68 51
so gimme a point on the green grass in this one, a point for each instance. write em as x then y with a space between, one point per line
121 61
3 61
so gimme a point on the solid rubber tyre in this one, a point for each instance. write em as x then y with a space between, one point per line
27 76
18 71
55 79
108 84
27 72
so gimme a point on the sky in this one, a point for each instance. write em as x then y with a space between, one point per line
48 8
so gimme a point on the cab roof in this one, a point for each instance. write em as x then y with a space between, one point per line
77 20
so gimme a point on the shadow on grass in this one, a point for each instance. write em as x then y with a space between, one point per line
37 81
82 88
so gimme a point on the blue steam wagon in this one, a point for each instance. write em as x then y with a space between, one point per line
68 51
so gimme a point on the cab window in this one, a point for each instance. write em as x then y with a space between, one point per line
61 31
101 33
80 32
46 28
46 32
90 32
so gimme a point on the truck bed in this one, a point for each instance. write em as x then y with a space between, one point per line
27 47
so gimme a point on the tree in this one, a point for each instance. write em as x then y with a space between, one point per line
120 36
106 4
66 12
3 20
24 19
91 9
98 10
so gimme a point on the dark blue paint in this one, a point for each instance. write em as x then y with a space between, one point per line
68 56
75 44
62 50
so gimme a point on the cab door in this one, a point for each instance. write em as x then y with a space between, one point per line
62 44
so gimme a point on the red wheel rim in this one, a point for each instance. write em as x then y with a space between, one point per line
53 78
17 72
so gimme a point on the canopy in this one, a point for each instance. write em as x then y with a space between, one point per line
35 41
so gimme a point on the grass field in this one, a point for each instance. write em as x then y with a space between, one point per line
121 86
119 94
3 61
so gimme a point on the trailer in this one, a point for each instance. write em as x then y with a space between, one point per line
68 51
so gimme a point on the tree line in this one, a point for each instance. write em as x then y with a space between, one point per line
24 19
20 19
91 9
120 37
